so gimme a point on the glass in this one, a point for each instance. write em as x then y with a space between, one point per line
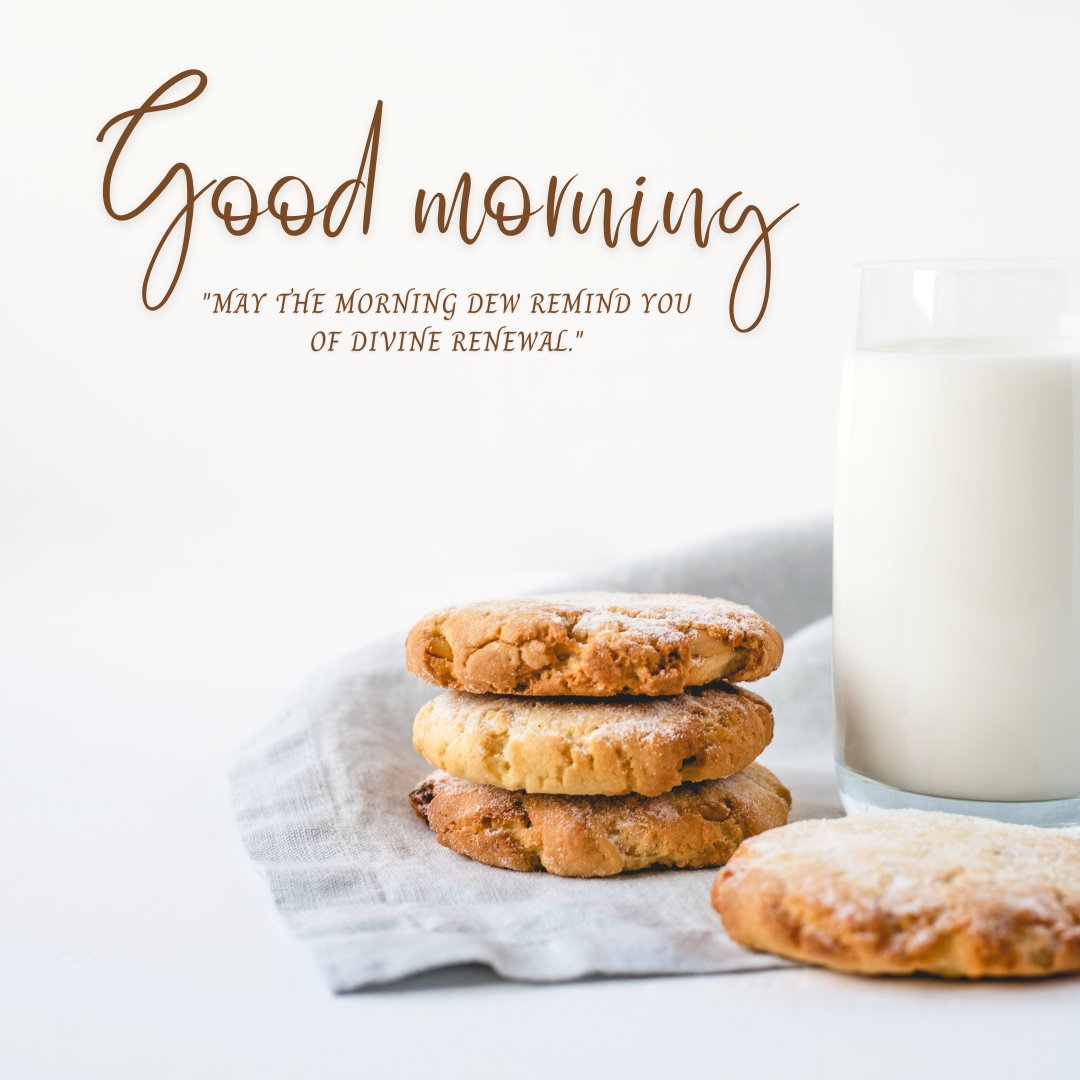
956 595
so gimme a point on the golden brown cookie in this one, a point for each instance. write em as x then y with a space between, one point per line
693 826
576 746
592 645
903 891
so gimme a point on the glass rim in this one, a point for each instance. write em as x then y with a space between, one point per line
974 265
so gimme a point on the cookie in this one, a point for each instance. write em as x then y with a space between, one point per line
576 746
903 891
693 826
592 645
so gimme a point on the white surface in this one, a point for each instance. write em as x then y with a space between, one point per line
136 941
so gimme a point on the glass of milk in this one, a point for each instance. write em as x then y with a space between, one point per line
956 649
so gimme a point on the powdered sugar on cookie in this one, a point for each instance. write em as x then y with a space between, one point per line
695 825
592 645
904 891
573 746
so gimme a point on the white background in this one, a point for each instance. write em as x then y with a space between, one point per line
198 509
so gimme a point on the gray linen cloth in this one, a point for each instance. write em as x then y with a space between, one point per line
320 796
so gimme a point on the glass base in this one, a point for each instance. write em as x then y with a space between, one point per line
858 792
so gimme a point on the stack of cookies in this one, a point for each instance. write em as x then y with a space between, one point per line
588 734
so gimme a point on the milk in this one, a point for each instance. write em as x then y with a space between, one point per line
957 570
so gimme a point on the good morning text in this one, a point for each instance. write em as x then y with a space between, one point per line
465 208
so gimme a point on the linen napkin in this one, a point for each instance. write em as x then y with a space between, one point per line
321 799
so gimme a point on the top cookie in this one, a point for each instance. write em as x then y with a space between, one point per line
592 645
903 891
